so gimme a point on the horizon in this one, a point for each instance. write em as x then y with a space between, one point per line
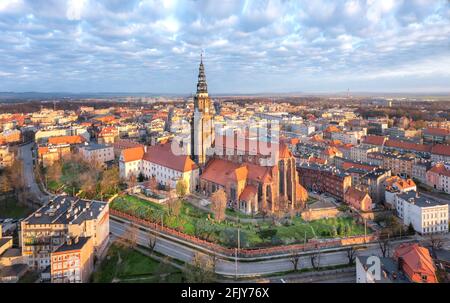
251 47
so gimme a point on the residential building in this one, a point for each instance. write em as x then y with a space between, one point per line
44 231
419 170
374 180
73 262
399 164
436 135
359 153
6 156
97 153
416 262
48 155
438 177
440 153
10 136
324 179
358 199
387 272
425 214
394 185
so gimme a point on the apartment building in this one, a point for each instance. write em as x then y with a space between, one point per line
48 228
438 177
399 164
98 153
324 179
359 153
6 156
73 262
426 215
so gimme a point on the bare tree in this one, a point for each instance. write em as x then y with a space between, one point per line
174 206
295 259
200 269
384 243
315 259
351 255
131 235
436 241
151 242
219 204
181 188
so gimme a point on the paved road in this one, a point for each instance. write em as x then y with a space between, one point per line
228 268
26 155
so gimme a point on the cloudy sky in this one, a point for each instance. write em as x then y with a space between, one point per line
250 46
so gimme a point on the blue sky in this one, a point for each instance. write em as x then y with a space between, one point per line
250 46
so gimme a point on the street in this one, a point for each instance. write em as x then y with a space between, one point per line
26 155
246 269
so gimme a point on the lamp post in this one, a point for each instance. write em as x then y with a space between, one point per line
236 252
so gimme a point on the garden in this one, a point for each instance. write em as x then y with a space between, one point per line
126 265
253 233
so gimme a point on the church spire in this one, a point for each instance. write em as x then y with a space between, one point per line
202 86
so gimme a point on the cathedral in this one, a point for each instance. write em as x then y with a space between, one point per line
239 164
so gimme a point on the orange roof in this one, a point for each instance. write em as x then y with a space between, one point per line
408 145
404 184
416 261
441 149
355 193
346 165
374 140
66 140
222 172
332 129
440 169
42 150
284 151
132 154
162 154
248 193
317 160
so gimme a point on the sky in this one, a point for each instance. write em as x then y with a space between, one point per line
266 46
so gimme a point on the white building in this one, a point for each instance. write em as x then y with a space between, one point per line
425 214
359 153
159 161
98 153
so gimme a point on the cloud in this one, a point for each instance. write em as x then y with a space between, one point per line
251 46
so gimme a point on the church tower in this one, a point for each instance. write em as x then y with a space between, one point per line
202 126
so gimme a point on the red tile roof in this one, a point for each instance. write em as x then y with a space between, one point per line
248 193
440 169
416 261
132 154
66 140
408 145
374 140
433 131
355 194
222 172
162 154
441 149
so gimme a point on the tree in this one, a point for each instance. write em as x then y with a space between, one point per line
384 242
174 207
315 259
141 177
54 172
200 269
131 235
351 255
219 204
110 181
411 229
132 180
5 185
295 259
153 183
181 188
88 184
436 241
151 242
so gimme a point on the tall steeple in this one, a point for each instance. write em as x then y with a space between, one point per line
202 86
202 122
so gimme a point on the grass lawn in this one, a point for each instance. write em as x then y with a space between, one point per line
29 277
134 267
11 209
194 221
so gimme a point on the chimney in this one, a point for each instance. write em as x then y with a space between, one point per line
69 240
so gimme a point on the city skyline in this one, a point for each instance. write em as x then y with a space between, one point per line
250 47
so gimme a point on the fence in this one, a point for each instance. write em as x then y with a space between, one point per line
246 252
